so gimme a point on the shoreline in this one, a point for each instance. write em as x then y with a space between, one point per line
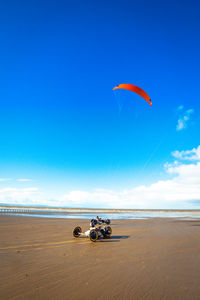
104 214
108 210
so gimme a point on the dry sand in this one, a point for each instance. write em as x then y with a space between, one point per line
144 259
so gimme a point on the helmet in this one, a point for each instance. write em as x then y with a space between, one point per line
93 222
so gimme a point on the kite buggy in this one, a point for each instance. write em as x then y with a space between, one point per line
96 231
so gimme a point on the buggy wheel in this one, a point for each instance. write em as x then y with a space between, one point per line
77 231
93 235
107 221
108 231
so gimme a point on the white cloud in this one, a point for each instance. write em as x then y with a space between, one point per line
5 179
24 179
180 125
19 179
184 118
190 155
180 107
26 196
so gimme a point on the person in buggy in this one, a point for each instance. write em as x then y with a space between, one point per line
101 221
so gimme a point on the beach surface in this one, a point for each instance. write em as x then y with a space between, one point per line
156 258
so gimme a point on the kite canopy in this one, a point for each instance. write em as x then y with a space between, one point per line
136 89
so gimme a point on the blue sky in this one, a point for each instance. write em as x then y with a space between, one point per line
63 139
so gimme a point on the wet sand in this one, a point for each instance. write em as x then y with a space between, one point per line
144 259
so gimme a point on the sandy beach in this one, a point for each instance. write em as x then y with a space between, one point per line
145 259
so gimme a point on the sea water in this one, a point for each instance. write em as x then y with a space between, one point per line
110 214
